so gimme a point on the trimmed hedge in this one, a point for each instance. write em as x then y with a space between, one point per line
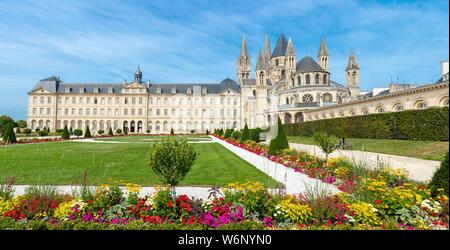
425 125
280 142
440 178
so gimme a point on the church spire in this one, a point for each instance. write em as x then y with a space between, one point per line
267 51
323 51
244 47
138 75
260 64
290 51
352 64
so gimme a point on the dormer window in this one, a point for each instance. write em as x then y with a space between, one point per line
67 90
189 90
82 90
174 90
204 91
96 90
158 90
110 90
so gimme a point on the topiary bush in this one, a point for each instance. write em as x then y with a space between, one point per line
254 134
65 133
228 133
110 132
280 142
245 134
440 178
171 131
78 132
236 134
87 133
427 125
100 132
119 131
43 133
171 160
27 131
8 134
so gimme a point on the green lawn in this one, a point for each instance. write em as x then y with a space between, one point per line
428 150
153 138
64 163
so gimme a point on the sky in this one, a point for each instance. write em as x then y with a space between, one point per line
198 41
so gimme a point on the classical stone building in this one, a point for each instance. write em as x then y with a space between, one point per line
296 91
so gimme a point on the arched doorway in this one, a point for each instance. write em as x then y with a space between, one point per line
298 117
287 118
132 127
139 130
125 126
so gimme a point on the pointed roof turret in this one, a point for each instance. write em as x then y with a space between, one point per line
352 64
267 48
323 51
138 70
290 50
280 48
244 47
260 64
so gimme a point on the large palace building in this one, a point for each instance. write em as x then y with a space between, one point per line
297 91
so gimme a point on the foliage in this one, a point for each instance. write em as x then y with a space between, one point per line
21 123
236 134
280 142
110 132
291 208
228 133
426 125
171 131
87 133
78 132
254 134
245 134
119 131
439 180
171 160
5 120
27 131
365 213
8 134
100 131
326 142
43 133
65 134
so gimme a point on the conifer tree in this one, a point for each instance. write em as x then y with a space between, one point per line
245 134
110 132
280 142
65 133
87 133
8 134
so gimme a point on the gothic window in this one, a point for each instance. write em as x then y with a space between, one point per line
307 98
277 62
307 80
287 100
327 97
254 92
317 79
261 78
324 79
299 80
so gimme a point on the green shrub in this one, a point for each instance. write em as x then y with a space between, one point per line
87 133
8 134
147 131
110 132
78 132
228 133
171 131
207 132
171 160
5 120
245 134
100 131
65 134
254 134
236 134
119 131
325 142
280 142
70 131
37 129
27 131
427 125
60 130
43 133
440 178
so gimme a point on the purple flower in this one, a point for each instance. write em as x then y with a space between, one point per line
114 221
267 221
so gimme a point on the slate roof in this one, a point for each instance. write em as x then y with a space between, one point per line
280 48
249 81
53 84
307 64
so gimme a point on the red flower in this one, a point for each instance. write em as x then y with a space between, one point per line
169 204
377 201
89 202
53 205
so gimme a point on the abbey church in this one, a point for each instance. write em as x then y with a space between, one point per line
286 85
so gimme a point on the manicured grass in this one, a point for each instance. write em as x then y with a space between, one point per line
64 163
428 150
153 138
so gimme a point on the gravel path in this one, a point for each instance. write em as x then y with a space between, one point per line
419 170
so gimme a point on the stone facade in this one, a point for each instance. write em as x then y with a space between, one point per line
296 91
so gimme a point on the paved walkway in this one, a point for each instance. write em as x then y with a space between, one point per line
420 170
295 182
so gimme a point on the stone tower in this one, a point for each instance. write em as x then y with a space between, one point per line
290 63
267 53
261 90
243 63
322 56
352 75
277 61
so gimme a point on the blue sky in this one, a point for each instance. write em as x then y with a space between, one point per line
198 41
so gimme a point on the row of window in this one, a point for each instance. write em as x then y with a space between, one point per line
133 100
151 112
327 97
